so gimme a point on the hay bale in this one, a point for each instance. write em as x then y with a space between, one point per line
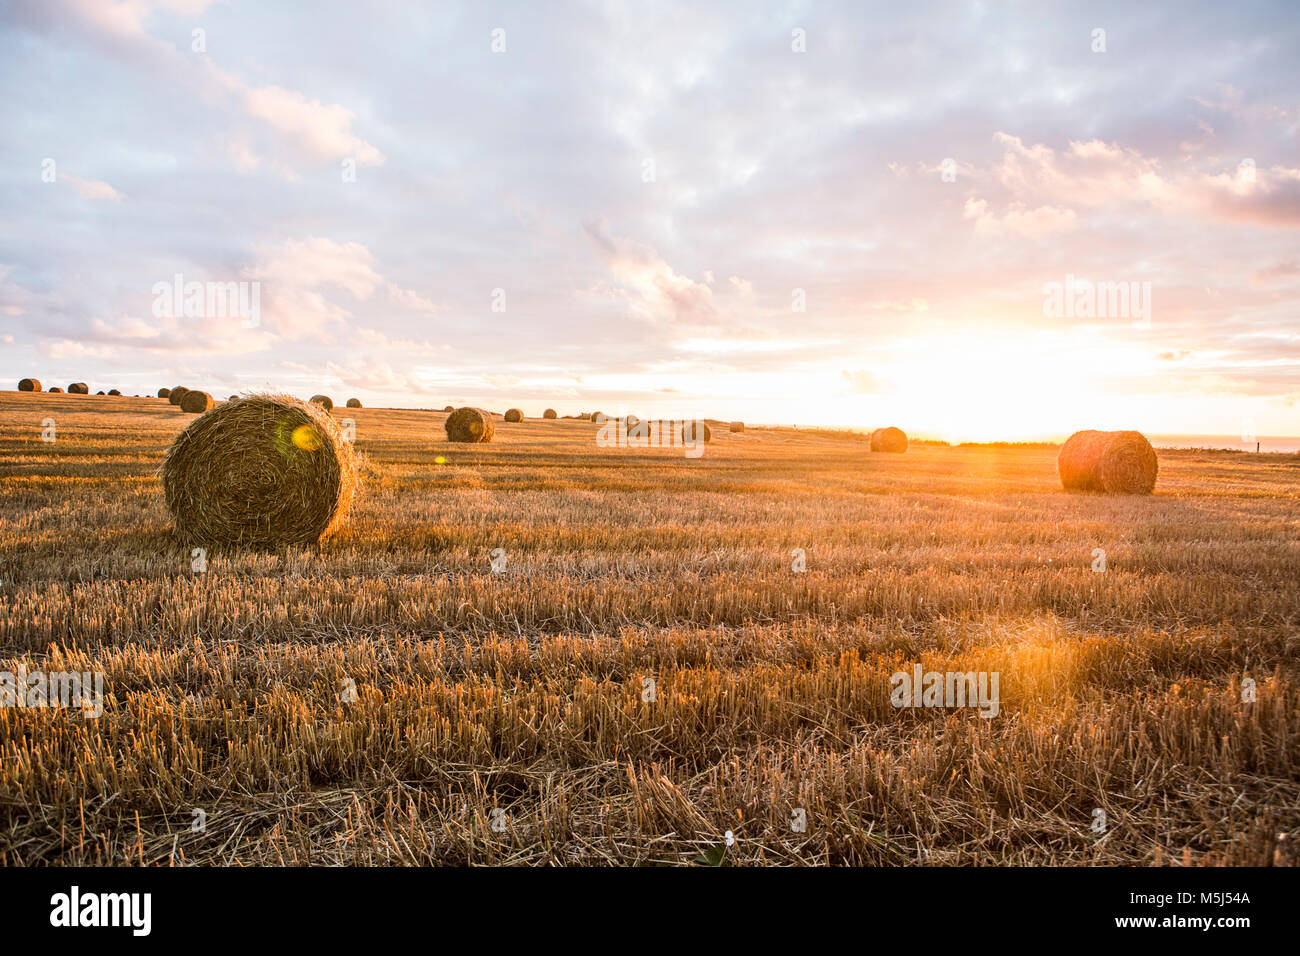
29 385
164 392
354 403
632 421
598 417
449 409
737 427
889 439
695 432
267 470
324 401
55 390
514 415
196 402
469 425
177 393
1113 462
550 413
100 392
114 391
232 398
78 388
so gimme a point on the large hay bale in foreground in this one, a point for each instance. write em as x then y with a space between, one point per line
265 470
197 402
78 388
1114 462
164 392
514 415
324 401
55 390
695 432
889 439
29 385
550 413
354 403
177 393
737 427
470 425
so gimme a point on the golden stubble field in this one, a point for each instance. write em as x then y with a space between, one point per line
387 698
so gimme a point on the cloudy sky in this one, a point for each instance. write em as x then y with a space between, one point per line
846 214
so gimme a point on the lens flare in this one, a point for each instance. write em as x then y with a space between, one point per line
307 438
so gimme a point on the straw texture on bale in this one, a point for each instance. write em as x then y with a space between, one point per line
695 432
324 401
889 439
78 388
1114 462
737 427
197 402
514 415
55 388
354 403
164 392
470 425
264 470
29 385
550 413
177 393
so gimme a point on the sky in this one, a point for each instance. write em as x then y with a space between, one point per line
840 214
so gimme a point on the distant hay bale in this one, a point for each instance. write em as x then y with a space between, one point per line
196 402
114 391
164 392
514 415
100 392
449 409
469 425
29 385
737 427
232 398
177 393
598 417
267 470
1113 462
78 388
585 417
324 401
354 403
550 413
632 421
695 432
55 390
889 439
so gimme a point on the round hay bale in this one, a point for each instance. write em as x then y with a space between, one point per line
29 385
78 388
514 415
737 427
196 402
100 392
889 439
1113 462
114 391
598 417
324 401
632 421
469 425
55 390
164 392
232 398
695 432
176 394
550 413
267 470
354 403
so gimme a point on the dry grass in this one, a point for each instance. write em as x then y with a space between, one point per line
521 691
